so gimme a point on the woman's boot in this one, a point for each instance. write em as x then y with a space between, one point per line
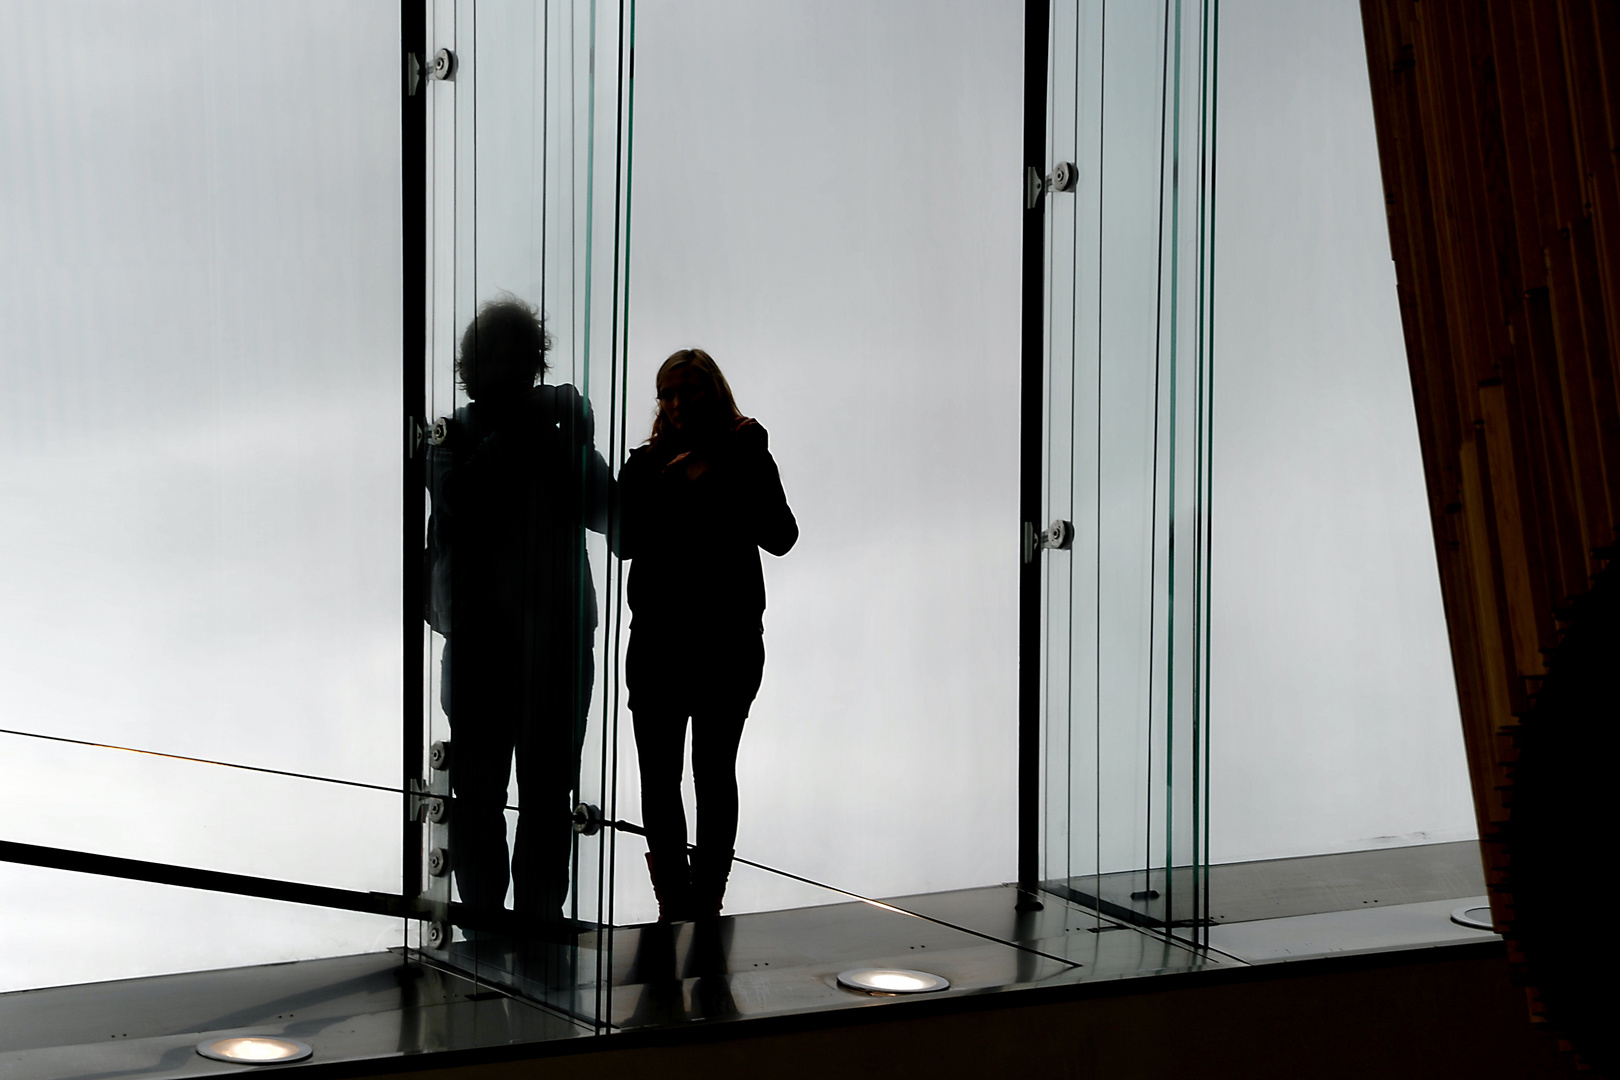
672 885
710 870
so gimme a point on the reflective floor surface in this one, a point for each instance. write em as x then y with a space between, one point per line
347 1007
1340 933
780 962
386 1005
1279 888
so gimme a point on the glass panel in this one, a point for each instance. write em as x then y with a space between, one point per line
834 217
1127 460
528 190
200 477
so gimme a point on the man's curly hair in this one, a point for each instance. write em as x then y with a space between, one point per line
503 347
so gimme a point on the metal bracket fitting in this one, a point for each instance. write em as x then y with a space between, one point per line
1064 177
424 802
413 74
587 819
1058 536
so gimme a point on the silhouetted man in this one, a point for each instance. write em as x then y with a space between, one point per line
515 481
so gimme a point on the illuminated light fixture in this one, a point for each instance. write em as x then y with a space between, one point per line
1475 918
254 1050
891 981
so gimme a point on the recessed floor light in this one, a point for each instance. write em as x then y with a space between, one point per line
1476 918
892 981
254 1049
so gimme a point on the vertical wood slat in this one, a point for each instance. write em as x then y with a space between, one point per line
1499 142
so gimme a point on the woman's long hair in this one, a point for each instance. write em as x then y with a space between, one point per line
709 371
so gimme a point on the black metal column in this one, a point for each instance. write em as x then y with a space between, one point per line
1037 20
413 341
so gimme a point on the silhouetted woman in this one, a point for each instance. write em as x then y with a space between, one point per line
699 501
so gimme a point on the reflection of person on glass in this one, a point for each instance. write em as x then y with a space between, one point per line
515 479
699 501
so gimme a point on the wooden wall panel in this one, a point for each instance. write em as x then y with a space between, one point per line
1498 129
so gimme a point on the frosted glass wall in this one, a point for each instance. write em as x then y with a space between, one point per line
1335 714
199 340
827 199
199 331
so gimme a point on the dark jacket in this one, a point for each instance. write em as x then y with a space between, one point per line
694 544
514 486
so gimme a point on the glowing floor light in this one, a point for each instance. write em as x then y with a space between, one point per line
891 981
254 1049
